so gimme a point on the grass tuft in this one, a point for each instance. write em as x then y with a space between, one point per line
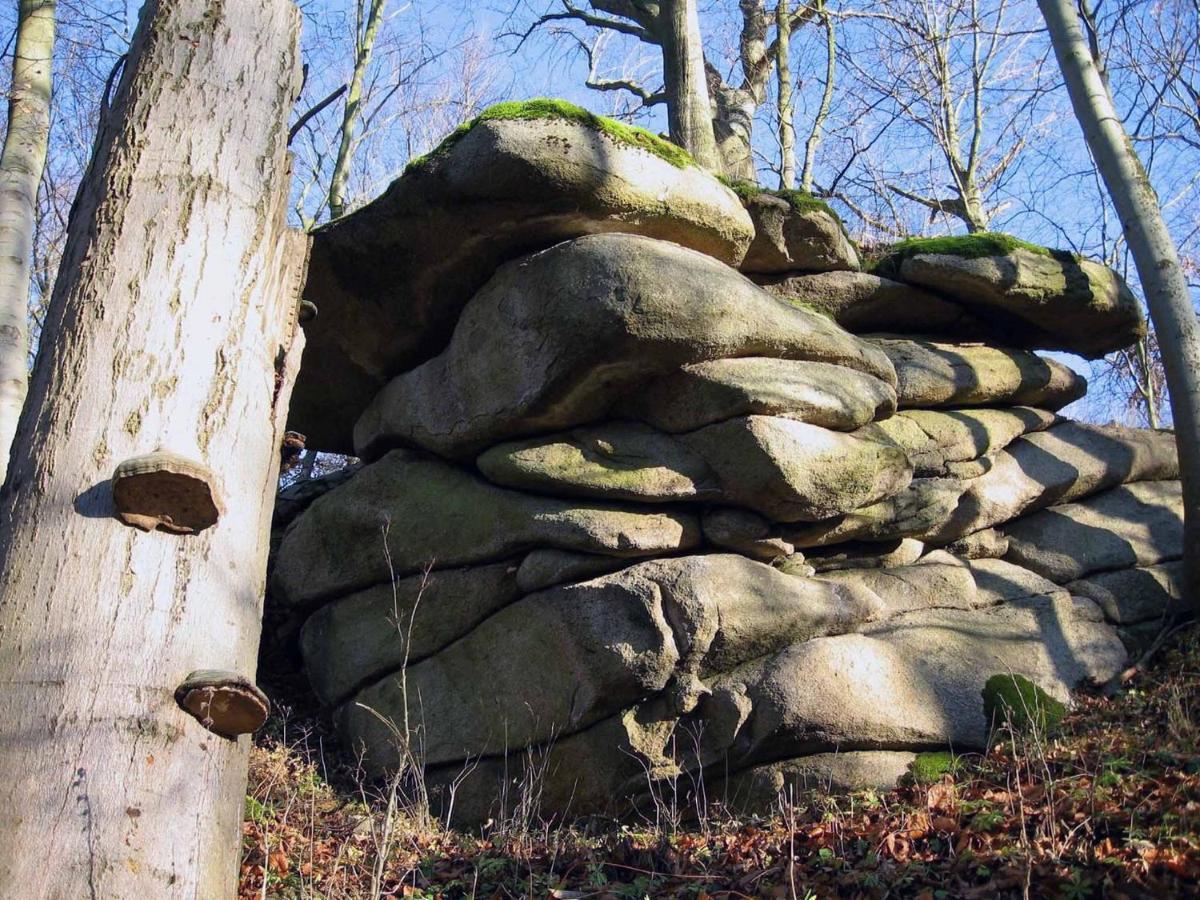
548 108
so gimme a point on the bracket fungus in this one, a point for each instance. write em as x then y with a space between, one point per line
167 491
225 703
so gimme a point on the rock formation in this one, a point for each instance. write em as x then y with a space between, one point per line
631 519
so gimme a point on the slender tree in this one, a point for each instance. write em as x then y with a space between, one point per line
21 165
787 110
814 134
170 339
1154 254
368 20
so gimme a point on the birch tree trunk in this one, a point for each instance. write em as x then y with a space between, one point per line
370 18
783 69
172 326
1154 254
21 166
689 112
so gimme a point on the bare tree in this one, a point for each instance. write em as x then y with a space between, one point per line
787 109
21 166
948 68
733 103
1154 253
818 123
182 343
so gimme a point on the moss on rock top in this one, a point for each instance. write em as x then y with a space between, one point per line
886 260
801 201
548 108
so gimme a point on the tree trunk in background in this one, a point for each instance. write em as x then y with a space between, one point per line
1154 253
365 33
814 136
787 128
172 325
689 112
21 166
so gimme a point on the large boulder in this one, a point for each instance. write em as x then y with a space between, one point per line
1044 299
703 393
795 233
560 660
406 512
390 279
553 340
1132 525
938 374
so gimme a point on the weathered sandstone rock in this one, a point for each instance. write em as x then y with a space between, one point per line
795 236
390 279
1132 525
1131 596
553 340
700 394
407 512
1052 301
937 374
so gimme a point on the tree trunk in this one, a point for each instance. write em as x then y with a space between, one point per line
1154 253
364 38
21 166
783 69
173 326
814 136
689 112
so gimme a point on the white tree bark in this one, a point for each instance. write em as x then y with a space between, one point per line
172 326
689 112
1154 254
21 166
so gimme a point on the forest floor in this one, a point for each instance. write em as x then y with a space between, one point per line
1109 806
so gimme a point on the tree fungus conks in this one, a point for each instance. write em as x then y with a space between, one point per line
167 491
225 703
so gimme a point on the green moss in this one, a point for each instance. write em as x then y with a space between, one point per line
928 768
885 261
801 201
1013 701
546 108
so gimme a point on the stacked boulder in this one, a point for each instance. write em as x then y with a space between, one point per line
661 488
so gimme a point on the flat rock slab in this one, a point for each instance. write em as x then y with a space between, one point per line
390 280
792 238
1133 596
1132 525
936 439
704 393
787 470
555 339
1064 463
407 512
934 374
1049 301
560 660
924 507
759 788
865 303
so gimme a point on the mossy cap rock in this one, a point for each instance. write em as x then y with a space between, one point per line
1039 298
794 232
391 278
